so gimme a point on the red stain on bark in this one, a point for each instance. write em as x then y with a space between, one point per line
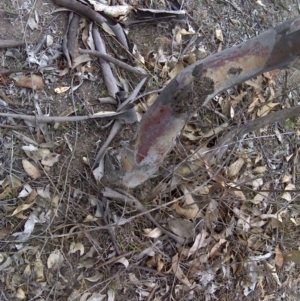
152 127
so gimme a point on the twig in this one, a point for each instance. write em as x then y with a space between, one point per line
10 71
148 93
251 126
152 292
52 119
104 207
15 127
113 132
112 60
10 43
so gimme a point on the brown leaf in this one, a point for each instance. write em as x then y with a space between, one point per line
278 257
178 271
235 167
31 170
216 247
34 82
266 109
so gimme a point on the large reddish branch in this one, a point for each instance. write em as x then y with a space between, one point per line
276 48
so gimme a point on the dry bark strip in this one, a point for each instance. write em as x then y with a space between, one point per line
276 48
89 13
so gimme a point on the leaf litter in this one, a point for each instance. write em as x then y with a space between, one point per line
230 212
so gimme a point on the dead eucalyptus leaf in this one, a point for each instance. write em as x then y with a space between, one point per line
219 35
123 261
96 277
178 271
20 294
235 167
153 233
78 246
34 82
60 90
266 109
31 170
55 260
278 257
259 169
216 247
29 203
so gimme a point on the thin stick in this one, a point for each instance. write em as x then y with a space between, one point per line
112 60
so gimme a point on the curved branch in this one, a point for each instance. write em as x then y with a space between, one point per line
277 48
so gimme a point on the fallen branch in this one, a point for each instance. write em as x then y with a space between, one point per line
127 115
276 48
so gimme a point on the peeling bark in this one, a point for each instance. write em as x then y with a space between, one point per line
276 48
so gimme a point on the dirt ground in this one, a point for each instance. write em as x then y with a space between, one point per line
71 252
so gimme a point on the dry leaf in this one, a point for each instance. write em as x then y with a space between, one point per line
235 167
262 195
260 3
31 170
153 233
39 271
259 169
123 261
266 109
78 246
198 243
80 59
50 160
191 211
219 35
61 90
29 202
286 196
216 247
20 294
90 218
278 257
178 36
178 271
55 260
34 82
176 70
96 277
